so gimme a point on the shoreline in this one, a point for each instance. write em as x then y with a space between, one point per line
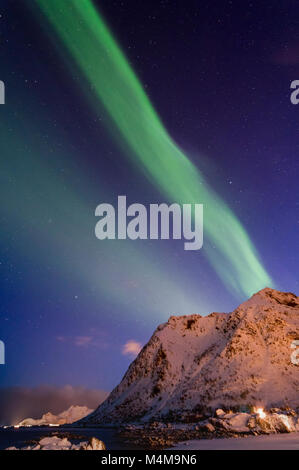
159 435
262 442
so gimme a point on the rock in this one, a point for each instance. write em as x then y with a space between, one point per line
219 412
94 444
251 424
208 427
239 422
283 423
264 425
220 424
272 423
56 443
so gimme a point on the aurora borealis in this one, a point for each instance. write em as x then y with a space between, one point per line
114 82
109 98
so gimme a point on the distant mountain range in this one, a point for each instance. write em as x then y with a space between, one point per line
74 413
193 364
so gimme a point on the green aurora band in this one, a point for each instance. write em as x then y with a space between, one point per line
50 214
81 29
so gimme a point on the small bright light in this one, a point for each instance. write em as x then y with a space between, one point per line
261 413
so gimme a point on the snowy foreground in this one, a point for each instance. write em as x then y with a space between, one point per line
57 443
220 427
272 442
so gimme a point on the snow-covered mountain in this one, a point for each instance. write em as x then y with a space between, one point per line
74 413
194 364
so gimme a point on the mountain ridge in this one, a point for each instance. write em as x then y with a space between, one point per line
194 364
73 413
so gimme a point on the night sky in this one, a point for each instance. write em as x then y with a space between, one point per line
218 74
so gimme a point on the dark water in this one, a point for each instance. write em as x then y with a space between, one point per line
21 437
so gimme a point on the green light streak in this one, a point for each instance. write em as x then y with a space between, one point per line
47 214
91 45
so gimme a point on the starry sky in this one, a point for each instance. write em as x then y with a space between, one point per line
75 310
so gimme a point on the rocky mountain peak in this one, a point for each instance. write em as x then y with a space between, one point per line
195 363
